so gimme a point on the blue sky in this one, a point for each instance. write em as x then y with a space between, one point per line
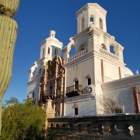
36 18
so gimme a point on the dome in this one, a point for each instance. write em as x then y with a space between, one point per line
127 72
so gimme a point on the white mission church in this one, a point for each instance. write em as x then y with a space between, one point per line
80 84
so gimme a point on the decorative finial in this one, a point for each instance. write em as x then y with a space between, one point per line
52 33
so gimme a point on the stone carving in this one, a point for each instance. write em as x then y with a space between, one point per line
107 53
91 89
52 83
71 43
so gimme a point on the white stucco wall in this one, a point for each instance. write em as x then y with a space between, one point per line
123 97
33 87
80 40
41 50
111 71
80 71
97 70
121 91
85 107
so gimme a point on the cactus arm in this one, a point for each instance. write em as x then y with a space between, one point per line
8 35
9 7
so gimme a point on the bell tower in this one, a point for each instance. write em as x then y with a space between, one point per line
91 14
51 47
94 62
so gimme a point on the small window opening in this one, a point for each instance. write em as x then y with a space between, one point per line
51 88
76 111
82 47
33 95
43 53
76 85
112 49
82 24
91 19
72 51
48 50
101 23
89 81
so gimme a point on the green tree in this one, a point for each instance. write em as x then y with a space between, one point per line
22 121
10 102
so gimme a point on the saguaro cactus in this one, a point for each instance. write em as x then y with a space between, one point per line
8 35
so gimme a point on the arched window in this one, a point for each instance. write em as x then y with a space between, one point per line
49 50
43 52
72 51
75 109
55 51
91 19
76 85
82 24
82 47
101 23
112 49
88 79
51 89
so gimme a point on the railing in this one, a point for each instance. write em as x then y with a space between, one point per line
49 92
74 90
105 52
109 127
81 53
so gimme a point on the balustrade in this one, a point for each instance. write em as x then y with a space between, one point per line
105 52
81 53
108 127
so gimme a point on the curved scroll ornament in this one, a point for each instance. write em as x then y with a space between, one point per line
71 43
91 89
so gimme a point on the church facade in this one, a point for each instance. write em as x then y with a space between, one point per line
80 84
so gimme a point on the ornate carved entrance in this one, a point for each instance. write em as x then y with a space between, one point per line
52 85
